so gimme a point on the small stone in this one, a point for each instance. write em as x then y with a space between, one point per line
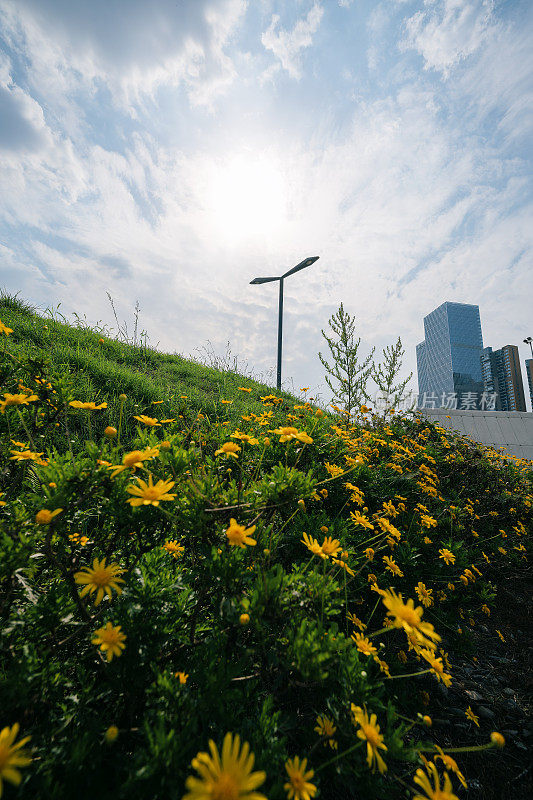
508 691
485 713
457 712
473 695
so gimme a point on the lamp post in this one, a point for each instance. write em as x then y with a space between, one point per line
302 265
529 340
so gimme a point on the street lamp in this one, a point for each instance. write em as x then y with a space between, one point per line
302 265
529 340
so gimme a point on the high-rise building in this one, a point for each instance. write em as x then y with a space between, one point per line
529 373
449 358
502 374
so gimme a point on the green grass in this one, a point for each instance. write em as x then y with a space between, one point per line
102 370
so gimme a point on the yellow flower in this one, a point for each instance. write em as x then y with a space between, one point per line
101 579
313 546
174 548
133 460
325 728
243 389
364 645
450 763
111 734
360 519
471 716
370 553
239 536
340 562
298 786
11 756
228 449
369 732
87 406
287 434
437 666
227 776
182 677
406 616
500 634
497 739
4 329
16 400
447 555
333 469
392 566
146 494
330 546
433 792
45 517
424 594
110 639
28 455
354 619
427 521
152 422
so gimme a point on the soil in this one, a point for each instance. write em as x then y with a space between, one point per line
496 681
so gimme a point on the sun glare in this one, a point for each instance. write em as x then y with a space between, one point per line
247 198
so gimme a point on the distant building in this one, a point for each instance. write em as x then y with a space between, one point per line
502 374
449 358
529 373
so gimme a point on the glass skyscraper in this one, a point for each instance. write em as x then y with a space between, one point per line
502 375
449 358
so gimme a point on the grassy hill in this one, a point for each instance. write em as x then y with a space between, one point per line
189 562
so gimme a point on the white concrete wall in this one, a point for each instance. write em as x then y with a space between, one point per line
511 431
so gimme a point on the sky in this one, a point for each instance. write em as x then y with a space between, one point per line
171 151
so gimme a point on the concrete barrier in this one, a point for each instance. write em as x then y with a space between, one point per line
510 431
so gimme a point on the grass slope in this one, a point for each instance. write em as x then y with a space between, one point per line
102 368
267 640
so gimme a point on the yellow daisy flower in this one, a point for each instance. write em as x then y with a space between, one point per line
11 755
406 616
369 732
229 449
110 639
146 494
433 792
298 786
87 406
101 579
174 548
239 536
16 400
227 776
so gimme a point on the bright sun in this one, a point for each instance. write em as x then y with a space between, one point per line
247 198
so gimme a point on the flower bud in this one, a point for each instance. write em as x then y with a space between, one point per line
110 432
165 446
111 734
497 739
123 397
244 619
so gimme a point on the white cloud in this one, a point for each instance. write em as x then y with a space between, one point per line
287 45
448 31
131 48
